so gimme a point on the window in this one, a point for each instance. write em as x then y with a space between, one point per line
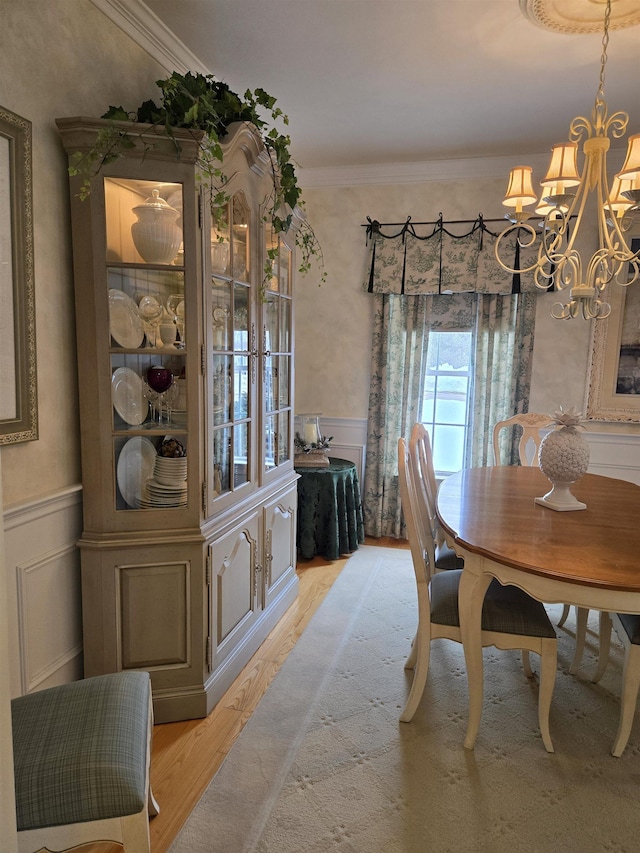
446 397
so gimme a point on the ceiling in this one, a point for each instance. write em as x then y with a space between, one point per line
404 81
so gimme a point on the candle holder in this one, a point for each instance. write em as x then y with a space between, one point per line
310 445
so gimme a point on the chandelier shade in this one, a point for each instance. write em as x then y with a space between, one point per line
568 190
563 167
619 201
631 168
520 190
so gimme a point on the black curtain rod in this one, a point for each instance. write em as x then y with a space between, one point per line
410 221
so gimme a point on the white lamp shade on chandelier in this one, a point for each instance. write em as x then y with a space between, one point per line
565 191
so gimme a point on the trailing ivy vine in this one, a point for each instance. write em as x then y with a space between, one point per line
208 106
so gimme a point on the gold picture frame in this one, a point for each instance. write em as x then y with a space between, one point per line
18 391
614 377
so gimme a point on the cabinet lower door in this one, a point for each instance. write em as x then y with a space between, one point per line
141 611
280 543
234 595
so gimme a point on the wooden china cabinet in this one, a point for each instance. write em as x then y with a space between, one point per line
185 362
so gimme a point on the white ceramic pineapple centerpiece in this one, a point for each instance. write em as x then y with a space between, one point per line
563 458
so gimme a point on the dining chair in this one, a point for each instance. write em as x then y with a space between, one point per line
528 447
627 627
443 556
511 619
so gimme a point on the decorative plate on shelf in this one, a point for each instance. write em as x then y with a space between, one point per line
135 466
127 393
125 324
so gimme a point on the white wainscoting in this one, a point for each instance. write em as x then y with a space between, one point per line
349 440
614 455
43 590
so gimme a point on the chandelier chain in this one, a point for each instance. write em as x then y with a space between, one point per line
603 57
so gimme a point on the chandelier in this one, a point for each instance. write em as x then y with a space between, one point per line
563 201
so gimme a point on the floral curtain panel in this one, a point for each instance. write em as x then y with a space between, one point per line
445 258
443 277
502 376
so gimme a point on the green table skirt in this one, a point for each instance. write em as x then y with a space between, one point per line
329 510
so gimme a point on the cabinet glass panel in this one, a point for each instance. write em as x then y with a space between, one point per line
222 366
284 397
276 350
241 295
220 243
271 442
240 387
240 238
146 326
151 472
143 222
270 383
221 316
285 325
222 460
284 426
284 270
146 309
240 454
233 345
271 338
278 265
148 392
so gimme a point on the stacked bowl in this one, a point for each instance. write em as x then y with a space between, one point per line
168 486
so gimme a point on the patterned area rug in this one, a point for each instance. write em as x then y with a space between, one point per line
325 765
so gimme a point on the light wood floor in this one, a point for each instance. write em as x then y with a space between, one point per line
186 755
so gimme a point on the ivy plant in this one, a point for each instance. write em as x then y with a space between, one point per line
208 106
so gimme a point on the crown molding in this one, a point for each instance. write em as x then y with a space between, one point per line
461 169
151 34
426 171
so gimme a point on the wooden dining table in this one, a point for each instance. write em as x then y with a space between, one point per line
590 557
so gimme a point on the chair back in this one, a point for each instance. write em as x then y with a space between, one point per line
418 530
529 444
427 486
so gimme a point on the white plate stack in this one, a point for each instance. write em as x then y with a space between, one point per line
168 486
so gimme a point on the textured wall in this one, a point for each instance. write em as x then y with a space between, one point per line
59 58
334 320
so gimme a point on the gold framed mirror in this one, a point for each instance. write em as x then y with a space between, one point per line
614 378
18 391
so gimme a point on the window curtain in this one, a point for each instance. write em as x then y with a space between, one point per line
503 352
399 345
502 375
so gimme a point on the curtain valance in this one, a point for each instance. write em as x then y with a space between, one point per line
444 257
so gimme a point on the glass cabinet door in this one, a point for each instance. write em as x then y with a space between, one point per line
277 355
231 354
147 345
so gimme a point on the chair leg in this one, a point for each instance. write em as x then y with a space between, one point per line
605 644
153 808
563 618
548 666
582 614
630 685
526 663
413 654
422 647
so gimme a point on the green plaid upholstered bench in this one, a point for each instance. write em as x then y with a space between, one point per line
81 756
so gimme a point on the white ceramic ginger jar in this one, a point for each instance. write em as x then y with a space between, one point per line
156 235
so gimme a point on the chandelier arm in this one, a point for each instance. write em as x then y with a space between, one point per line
516 226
